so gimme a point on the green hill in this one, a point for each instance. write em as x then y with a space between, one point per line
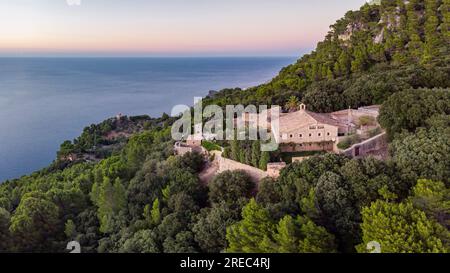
118 187
366 56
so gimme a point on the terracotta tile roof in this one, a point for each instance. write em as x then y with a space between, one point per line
325 119
292 121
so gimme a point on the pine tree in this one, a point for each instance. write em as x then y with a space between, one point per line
247 236
242 156
70 229
359 62
257 233
287 236
111 199
155 213
445 25
104 203
235 153
401 228
119 196
256 153
35 223
413 25
5 234
166 193
147 214
293 104
324 71
376 52
330 74
337 70
265 157
433 198
344 61
432 39
152 215
248 157
402 33
314 239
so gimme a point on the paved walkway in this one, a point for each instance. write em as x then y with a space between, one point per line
211 169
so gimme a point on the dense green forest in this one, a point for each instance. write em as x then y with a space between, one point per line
139 197
367 56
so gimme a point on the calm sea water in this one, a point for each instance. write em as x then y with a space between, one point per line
44 101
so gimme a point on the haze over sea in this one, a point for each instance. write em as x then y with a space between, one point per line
44 101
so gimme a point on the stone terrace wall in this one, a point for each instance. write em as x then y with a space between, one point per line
226 164
366 147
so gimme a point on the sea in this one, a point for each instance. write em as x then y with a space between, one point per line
45 101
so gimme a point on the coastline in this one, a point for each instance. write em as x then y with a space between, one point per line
71 131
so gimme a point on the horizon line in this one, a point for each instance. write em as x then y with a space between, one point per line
149 57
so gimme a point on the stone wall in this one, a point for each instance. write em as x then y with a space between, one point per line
182 149
367 147
306 147
226 164
274 169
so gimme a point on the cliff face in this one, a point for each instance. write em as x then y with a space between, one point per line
395 32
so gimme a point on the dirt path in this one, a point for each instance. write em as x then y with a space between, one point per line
210 170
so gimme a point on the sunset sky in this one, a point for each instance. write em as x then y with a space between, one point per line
166 27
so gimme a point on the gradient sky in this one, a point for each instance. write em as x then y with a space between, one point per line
166 27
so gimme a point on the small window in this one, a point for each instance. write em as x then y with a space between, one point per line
320 134
328 134
291 136
310 135
301 135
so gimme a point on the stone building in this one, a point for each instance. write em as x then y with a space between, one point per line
309 131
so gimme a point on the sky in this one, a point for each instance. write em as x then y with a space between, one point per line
166 27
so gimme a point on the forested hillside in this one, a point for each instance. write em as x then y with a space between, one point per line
366 56
141 198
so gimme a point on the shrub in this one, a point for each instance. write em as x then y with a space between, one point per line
210 146
348 142
366 120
